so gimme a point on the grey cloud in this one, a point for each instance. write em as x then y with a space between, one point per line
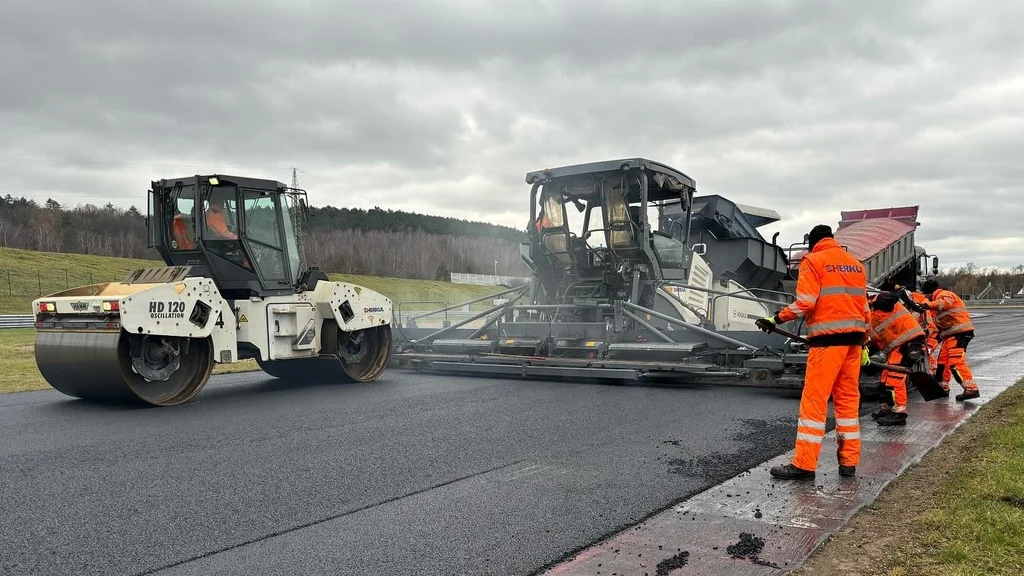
808 107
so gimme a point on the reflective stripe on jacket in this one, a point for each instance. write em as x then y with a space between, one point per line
890 330
951 315
831 296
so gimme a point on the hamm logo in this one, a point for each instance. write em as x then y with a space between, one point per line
373 309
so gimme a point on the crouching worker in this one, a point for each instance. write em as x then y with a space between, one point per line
831 297
956 330
895 332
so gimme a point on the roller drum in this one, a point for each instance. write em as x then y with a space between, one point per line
362 357
98 366
365 354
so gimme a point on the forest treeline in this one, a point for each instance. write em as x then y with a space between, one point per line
971 280
373 242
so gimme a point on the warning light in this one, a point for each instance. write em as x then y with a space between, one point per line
214 181
47 307
111 306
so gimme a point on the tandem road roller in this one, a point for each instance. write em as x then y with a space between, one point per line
233 288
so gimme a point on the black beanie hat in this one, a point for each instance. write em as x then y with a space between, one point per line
929 287
817 233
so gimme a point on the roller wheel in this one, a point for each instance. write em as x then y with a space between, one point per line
363 356
99 366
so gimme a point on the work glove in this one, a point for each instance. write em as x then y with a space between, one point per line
865 358
766 324
908 300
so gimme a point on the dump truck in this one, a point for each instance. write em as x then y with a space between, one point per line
671 297
232 288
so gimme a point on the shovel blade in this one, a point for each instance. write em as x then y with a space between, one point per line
927 386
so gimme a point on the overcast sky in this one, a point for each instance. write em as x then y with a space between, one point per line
807 107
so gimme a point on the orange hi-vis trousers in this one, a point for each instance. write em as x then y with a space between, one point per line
932 344
953 364
895 382
835 371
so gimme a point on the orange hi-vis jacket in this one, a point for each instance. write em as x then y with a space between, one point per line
180 233
926 319
831 295
951 315
215 221
890 330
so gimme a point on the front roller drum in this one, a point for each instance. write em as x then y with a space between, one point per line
98 366
363 356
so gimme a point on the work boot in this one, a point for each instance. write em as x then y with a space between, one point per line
968 394
945 390
847 471
790 472
893 419
880 412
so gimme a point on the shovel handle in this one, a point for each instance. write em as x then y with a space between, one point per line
891 367
787 334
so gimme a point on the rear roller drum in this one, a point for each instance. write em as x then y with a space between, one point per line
122 368
363 356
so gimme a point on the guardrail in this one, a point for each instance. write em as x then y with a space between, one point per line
17 321
996 302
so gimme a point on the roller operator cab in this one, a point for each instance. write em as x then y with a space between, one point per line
233 289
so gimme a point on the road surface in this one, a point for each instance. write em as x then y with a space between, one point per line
408 475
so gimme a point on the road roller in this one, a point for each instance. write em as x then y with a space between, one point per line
233 287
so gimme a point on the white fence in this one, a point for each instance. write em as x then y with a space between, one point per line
17 321
487 279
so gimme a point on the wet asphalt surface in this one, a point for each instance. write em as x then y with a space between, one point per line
411 474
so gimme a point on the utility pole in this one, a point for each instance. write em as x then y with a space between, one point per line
296 215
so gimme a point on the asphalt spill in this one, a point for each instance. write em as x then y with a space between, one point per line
666 566
751 440
749 547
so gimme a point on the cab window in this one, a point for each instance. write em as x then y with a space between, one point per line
263 236
182 228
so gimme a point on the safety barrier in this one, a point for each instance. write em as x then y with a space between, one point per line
487 279
996 303
17 321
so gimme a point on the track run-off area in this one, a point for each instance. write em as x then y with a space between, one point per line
411 474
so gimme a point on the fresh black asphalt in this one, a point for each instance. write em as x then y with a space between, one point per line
411 474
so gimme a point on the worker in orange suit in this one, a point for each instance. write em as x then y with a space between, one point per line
895 332
956 330
831 297
542 222
926 320
217 223
180 233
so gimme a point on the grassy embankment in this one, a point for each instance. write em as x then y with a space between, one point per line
959 511
26 275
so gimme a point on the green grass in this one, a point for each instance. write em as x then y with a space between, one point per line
976 525
17 362
26 275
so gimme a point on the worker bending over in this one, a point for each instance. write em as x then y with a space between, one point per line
896 333
926 319
956 330
831 296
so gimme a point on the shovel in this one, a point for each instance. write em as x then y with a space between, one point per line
923 382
